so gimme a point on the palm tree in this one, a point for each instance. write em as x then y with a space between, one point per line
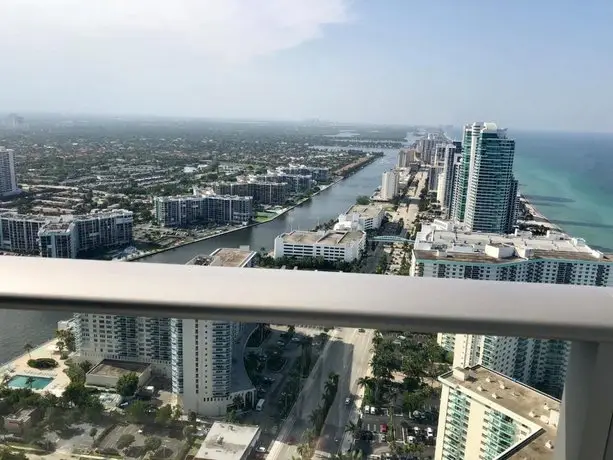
354 429
305 451
28 347
29 382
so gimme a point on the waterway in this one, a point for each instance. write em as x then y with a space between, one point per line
18 328
323 207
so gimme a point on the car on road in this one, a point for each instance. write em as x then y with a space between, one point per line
347 401
411 439
261 449
367 409
361 330
373 410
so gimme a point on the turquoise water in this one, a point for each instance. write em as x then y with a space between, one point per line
569 178
20 381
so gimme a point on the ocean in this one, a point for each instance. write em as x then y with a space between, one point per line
569 178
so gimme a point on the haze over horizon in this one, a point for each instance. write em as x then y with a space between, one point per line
523 65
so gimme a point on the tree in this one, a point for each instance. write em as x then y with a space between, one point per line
60 345
354 429
75 394
127 384
188 432
93 432
152 443
7 454
362 200
125 440
192 417
137 412
85 366
29 382
164 415
177 413
76 374
231 415
28 347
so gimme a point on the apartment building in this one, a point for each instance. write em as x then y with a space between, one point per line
299 183
361 217
19 232
65 236
332 245
180 211
485 415
485 195
452 157
317 173
196 355
8 178
390 184
262 192
444 249
58 240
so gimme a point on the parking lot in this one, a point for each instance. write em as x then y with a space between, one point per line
411 430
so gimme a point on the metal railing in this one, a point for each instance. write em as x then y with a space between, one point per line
578 313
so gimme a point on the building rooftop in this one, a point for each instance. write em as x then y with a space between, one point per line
331 237
112 368
56 227
444 240
370 210
224 257
231 257
528 406
227 442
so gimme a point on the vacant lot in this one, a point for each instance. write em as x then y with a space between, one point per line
171 439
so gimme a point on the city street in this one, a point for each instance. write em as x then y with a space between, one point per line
347 353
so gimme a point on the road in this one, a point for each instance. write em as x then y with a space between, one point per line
347 353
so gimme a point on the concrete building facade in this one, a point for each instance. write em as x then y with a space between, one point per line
389 185
8 178
447 250
262 192
185 210
332 246
485 415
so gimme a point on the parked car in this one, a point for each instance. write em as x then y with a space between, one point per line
347 401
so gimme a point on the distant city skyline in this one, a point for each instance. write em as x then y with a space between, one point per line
349 61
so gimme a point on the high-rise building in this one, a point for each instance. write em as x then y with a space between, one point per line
317 173
299 183
485 195
426 148
179 211
58 240
389 185
405 158
451 158
196 355
65 236
485 415
8 179
447 250
19 232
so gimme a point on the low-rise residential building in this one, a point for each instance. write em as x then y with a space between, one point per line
361 217
332 245
226 441
486 415
185 210
19 422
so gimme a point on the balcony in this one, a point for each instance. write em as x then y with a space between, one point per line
583 315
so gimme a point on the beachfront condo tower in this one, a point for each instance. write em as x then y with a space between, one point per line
485 190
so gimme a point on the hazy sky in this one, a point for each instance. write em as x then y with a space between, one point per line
538 63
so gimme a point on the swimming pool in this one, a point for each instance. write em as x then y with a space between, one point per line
38 383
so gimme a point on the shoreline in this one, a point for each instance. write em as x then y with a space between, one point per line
242 227
539 217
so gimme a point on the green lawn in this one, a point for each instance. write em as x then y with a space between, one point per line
264 216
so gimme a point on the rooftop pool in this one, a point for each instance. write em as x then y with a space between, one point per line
21 381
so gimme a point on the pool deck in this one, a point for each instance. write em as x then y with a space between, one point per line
19 366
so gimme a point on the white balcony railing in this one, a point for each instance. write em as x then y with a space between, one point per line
578 313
